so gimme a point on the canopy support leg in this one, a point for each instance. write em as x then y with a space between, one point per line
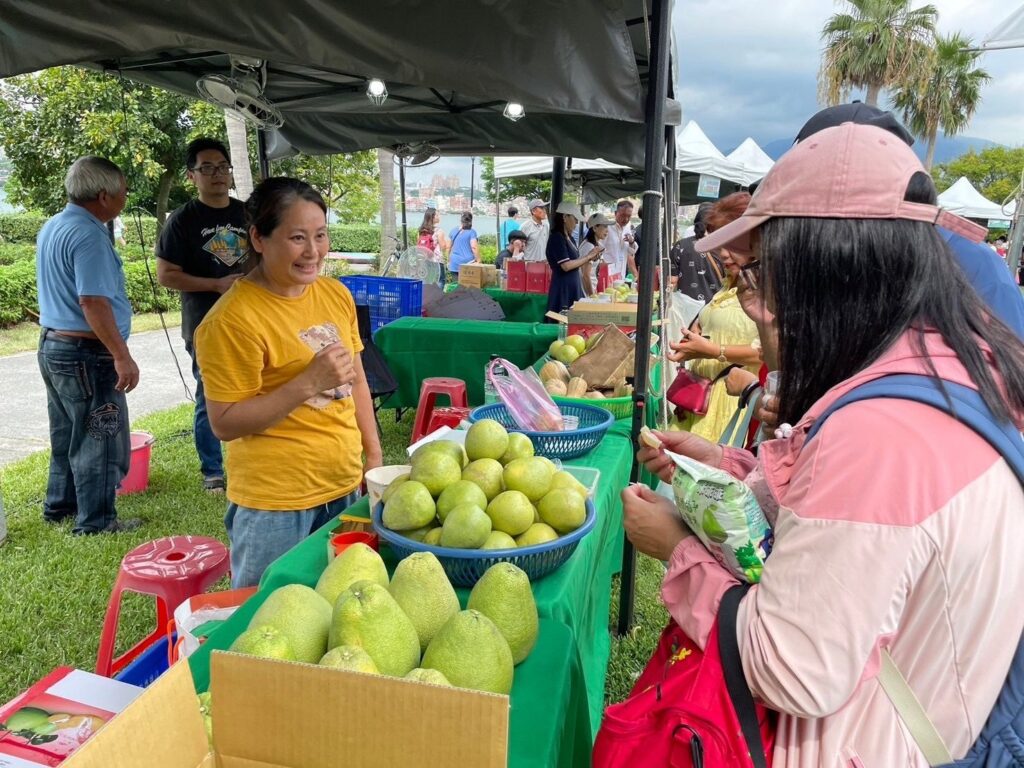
261 150
401 186
557 183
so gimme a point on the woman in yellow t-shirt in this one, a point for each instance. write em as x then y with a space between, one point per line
285 388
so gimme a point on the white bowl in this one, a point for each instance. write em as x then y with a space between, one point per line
379 478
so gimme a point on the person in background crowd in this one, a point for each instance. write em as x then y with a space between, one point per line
202 251
432 238
593 242
117 232
463 247
619 245
879 562
565 260
515 249
285 384
695 274
509 226
536 230
85 319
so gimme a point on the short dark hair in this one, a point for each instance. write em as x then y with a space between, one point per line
466 219
201 145
271 198
699 220
513 211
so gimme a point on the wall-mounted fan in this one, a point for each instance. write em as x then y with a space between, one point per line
242 92
417 154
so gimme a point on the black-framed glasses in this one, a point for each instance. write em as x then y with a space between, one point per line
208 169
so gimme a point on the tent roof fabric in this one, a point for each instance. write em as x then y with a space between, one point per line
1009 34
964 200
578 98
752 159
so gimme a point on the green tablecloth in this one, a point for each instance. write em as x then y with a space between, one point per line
576 597
417 348
520 307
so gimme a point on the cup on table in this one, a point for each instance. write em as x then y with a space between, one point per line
339 542
771 383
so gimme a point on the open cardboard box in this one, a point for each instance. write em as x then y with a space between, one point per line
275 714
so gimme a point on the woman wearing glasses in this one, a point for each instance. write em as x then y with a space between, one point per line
723 335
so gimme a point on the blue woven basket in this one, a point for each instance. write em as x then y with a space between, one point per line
466 566
569 444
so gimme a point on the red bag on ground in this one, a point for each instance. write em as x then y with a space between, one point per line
684 713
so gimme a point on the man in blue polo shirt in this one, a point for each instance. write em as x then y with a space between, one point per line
83 355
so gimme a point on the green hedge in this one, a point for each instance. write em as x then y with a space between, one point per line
20 227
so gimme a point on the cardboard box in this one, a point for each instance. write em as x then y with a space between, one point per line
603 313
478 275
275 714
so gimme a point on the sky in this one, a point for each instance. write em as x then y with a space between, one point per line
749 68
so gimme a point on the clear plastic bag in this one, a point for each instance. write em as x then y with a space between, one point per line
523 394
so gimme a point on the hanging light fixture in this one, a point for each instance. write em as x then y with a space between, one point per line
514 111
376 91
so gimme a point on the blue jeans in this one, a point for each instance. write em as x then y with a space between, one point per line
211 459
258 537
89 435
444 277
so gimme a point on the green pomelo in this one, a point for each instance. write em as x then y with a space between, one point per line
511 512
486 474
519 447
350 657
466 527
499 540
26 718
460 492
433 537
548 463
530 476
563 509
431 676
265 641
713 528
302 615
577 342
420 534
355 563
486 439
445 447
393 486
472 653
367 616
422 590
436 471
505 597
411 506
565 354
538 533
563 479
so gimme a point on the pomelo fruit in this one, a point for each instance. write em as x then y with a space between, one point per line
433 537
393 486
486 474
511 512
471 652
446 447
431 676
367 616
563 479
577 342
563 509
411 506
486 439
519 447
355 563
466 527
565 354
302 615
460 492
420 534
350 657
538 533
422 590
436 471
499 540
554 346
265 641
529 476
504 595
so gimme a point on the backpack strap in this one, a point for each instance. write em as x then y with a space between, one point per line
735 681
912 713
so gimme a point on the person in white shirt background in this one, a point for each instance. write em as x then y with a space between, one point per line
597 231
620 244
536 229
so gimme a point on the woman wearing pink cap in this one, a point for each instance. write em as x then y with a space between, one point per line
897 527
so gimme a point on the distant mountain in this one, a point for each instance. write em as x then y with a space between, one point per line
945 150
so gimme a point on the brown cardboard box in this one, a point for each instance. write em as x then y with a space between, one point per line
603 313
276 714
608 362
478 275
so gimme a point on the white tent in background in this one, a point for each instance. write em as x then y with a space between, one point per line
1009 34
696 153
964 200
508 166
752 159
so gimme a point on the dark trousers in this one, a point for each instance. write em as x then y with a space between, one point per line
211 459
90 438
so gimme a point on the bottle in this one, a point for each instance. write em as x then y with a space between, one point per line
490 392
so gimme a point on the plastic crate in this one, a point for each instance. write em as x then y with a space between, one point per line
148 665
388 298
567 444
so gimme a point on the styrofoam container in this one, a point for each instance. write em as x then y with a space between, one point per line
379 478
588 476
443 433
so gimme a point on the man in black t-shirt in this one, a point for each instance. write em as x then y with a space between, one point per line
202 250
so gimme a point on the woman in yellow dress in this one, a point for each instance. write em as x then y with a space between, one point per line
723 335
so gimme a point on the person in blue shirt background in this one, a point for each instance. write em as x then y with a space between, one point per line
463 247
509 226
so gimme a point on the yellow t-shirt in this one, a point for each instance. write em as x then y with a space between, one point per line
252 342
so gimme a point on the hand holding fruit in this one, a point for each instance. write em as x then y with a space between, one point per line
330 368
683 443
651 522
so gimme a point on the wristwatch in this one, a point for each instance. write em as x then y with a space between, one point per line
721 354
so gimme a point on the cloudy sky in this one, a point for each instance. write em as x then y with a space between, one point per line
749 68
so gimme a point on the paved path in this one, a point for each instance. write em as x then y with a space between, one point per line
23 421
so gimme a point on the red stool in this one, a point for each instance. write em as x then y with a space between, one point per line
172 569
447 417
430 388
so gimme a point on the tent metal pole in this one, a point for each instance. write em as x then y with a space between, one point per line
261 151
654 157
1017 230
557 183
401 187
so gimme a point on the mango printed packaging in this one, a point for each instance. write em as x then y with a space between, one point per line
724 514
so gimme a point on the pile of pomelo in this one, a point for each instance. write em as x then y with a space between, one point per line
494 494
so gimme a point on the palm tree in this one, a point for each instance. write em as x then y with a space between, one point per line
238 146
388 229
873 47
945 94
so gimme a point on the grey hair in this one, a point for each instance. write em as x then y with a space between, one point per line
90 175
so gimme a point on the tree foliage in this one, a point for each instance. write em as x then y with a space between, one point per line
350 183
520 186
995 172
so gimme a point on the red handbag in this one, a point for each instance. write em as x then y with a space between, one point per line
690 709
692 393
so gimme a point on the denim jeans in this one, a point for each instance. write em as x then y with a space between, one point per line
211 459
89 435
258 537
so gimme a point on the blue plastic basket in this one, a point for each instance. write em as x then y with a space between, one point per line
466 566
569 444
145 668
388 298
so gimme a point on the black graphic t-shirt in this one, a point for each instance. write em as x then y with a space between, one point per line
204 242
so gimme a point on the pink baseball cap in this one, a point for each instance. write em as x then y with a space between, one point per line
850 171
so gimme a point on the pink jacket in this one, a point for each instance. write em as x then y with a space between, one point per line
897 527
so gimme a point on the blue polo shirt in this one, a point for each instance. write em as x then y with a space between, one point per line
74 257
987 272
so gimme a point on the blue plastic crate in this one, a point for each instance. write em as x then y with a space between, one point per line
568 444
388 298
147 666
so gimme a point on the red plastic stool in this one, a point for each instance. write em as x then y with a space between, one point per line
172 569
429 390
447 417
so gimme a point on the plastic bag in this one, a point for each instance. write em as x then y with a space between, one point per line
523 394
724 514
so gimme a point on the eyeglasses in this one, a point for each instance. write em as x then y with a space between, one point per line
751 274
212 170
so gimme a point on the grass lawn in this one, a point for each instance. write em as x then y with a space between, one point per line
54 587
24 337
